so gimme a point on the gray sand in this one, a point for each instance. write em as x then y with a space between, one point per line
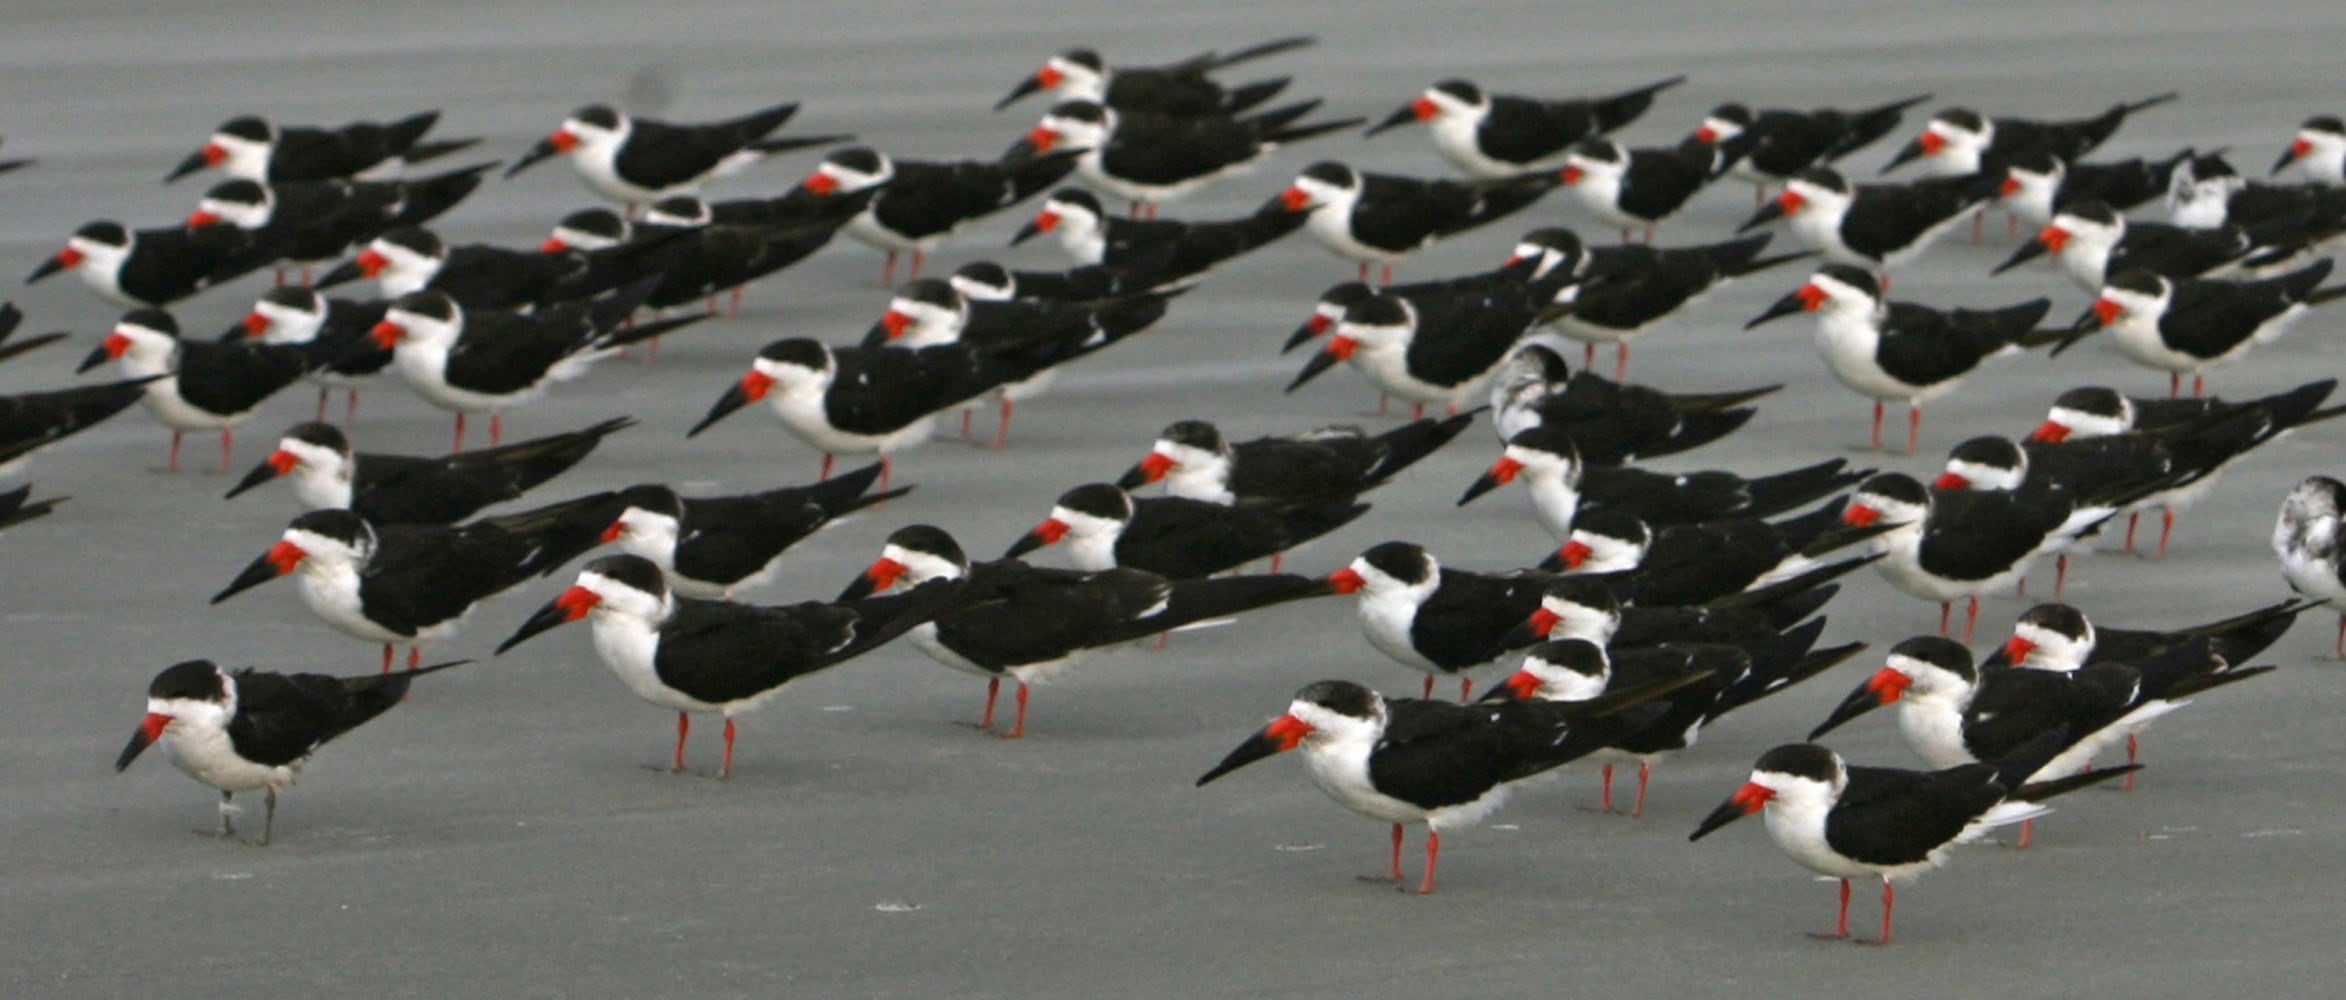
506 834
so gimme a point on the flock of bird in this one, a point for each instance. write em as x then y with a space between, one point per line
1670 600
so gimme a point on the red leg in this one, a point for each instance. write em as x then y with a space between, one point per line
1913 428
496 428
459 445
725 763
2197 385
1841 921
1874 440
1978 222
1620 360
733 309
1605 789
2126 784
1588 355
826 468
917 258
1429 691
323 392
226 438
2060 574
888 271
1451 410
1002 430
1396 875
1889 899
1649 236
1275 561
1364 272
2130 520
993 688
1386 275
1644 771
2027 833
1970 617
965 423
1945 608
386 657
2174 384
415 656
350 406
1465 688
1433 850
886 467
2166 527
1018 723
1417 411
683 726
171 464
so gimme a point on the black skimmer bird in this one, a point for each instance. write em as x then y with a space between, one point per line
478 276
933 312
985 280
488 361
1904 352
2318 151
2059 638
198 386
1626 291
2192 324
1777 143
407 489
711 547
634 161
247 730
2095 412
147 267
1434 619
1435 348
1610 422
2038 185
1960 142
2306 540
2208 192
1179 88
294 315
1950 544
1953 715
1176 537
1570 670
1561 485
1382 218
1585 607
1194 460
1030 624
1148 159
1847 822
1630 189
1879 227
415 583
1708 560
251 148
695 655
314 222
1156 251
2091 242
713 248
1404 761
915 205
877 400
2093 467
1490 136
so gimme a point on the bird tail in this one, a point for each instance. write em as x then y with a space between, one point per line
1253 52
425 198
1245 96
1620 109
1406 444
1868 126
1772 495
